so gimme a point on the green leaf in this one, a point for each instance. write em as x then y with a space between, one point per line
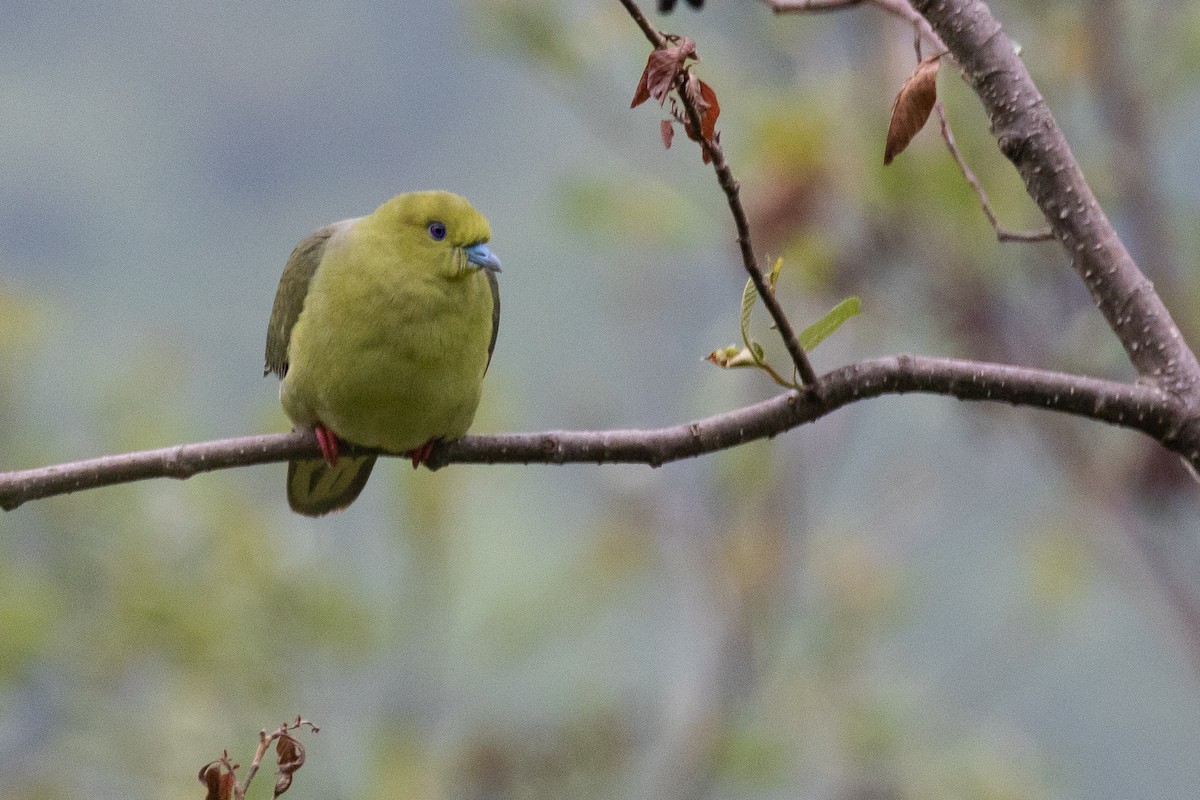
814 334
774 276
751 354
749 295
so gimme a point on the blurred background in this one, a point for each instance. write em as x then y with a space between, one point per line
912 598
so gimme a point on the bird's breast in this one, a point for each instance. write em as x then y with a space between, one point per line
391 358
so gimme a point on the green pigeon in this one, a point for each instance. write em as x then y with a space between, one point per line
382 330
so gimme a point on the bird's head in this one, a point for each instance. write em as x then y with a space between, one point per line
444 227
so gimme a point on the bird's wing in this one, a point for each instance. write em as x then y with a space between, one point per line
289 298
495 286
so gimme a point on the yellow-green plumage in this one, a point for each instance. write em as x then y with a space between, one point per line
382 333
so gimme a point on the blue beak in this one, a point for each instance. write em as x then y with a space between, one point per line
480 256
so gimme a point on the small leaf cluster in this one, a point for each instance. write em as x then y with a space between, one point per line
220 775
667 70
751 353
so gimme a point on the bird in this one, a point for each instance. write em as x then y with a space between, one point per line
381 333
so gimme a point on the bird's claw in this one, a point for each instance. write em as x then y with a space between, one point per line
420 455
328 443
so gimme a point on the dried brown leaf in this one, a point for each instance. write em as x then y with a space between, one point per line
704 100
712 110
667 129
662 67
290 757
641 94
911 108
218 780
290 753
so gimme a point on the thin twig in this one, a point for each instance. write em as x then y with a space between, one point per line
897 8
731 187
1134 406
1002 233
264 741
795 6
652 34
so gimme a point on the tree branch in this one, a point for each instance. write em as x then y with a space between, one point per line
1133 406
1029 136
796 6
897 8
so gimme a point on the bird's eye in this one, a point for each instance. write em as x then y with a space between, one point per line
437 230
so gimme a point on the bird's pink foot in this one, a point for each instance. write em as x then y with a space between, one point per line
420 455
328 442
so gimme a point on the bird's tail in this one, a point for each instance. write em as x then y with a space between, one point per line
316 487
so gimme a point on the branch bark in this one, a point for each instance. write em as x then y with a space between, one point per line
1135 406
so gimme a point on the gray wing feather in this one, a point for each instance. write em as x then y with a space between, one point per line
289 298
495 285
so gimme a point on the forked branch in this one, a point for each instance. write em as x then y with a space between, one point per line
1029 136
1003 234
